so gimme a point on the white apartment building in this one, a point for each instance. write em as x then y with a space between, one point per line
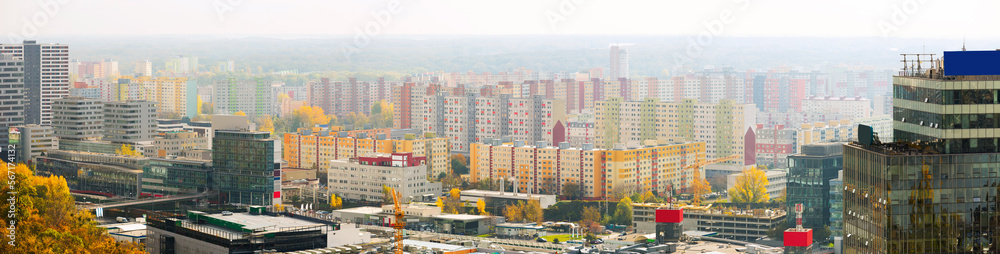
822 109
362 178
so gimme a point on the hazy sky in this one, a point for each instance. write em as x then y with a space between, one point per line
281 18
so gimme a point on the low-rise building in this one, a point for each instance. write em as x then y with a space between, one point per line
362 178
31 141
175 143
237 233
163 177
740 225
507 197
105 174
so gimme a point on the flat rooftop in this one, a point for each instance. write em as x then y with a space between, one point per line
435 246
486 193
362 210
462 217
258 223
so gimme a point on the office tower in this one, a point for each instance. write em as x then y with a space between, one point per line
935 189
46 77
76 118
11 94
253 97
619 63
143 68
721 126
132 122
809 175
837 205
245 170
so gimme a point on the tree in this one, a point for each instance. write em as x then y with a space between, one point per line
699 187
751 187
481 207
533 211
387 195
127 150
381 114
459 164
571 191
207 108
591 216
453 202
200 105
336 202
240 113
47 219
623 213
308 117
513 212
265 123
647 197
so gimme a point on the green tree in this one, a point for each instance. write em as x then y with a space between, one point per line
623 212
571 191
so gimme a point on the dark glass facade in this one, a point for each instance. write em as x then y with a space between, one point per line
173 177
95 177
244 167
898 200
809 175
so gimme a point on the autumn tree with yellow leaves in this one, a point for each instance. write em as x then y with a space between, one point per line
481 207
699 187
46 219
127 150
308 116
265 123
750 187
336 202
240 113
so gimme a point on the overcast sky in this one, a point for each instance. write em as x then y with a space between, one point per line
284 18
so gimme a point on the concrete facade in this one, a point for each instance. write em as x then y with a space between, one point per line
76 118
132 122
362 178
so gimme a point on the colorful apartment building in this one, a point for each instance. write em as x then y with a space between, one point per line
470 118
171 94
308 149
598 172
254 98
722 127
341 98
776 143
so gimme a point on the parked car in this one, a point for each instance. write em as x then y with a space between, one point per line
227 213
597 241
541 240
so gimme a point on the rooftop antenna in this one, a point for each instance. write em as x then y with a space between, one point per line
963 43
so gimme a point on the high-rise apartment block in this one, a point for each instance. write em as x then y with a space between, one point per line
546 169
46 77
341 98
11 94
308 149
143 68
723 126
469 118
934 190
172 95
619 63
252 97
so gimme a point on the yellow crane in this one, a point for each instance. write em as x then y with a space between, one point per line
713 161
398 224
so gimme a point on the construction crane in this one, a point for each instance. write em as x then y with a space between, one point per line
398 224
713 161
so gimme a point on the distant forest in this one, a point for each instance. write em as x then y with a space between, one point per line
397 56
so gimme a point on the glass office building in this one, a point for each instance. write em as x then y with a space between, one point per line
809 175
245 171
935 189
